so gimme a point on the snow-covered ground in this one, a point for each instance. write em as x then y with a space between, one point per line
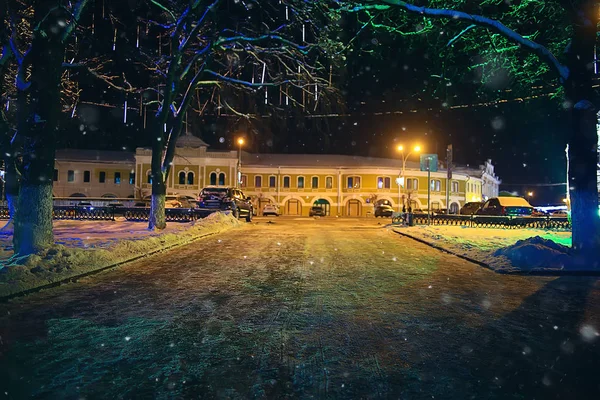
506 250
84 246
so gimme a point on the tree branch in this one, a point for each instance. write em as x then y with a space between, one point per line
545 55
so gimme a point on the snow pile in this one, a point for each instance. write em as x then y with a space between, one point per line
536 253
89 253
507 250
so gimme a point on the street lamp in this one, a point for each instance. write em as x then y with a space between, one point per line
401 179
239 166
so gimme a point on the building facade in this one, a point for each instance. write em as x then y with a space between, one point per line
342 185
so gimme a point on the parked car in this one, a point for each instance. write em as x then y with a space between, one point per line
226 198
470 208
505 205
559 213
383 210
316 211
270 209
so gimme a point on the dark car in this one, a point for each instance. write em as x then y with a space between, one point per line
384 211
470 208
504 206
316 212
226 199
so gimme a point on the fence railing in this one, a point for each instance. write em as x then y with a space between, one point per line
486 221
129 213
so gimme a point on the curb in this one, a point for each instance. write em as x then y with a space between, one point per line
74 278
487 266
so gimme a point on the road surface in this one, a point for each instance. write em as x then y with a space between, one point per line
301 308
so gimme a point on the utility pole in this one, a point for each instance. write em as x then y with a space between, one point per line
428 190
448 177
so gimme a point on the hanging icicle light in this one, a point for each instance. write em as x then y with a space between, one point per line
125 112
316 92
263 72
303 33
287 99
287 13
74 109
137 41
115 40
7 104
266 96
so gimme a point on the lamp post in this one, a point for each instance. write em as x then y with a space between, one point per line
428 190
401 179
239 166
529 196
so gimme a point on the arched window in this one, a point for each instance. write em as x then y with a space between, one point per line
213 178
314 182
149 177
222 179
182 178
286 182
258 181
300 182
190 178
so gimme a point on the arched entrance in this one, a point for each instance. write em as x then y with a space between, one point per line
324 204
293 207
354 208
454 208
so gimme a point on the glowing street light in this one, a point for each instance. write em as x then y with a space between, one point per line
239 166
530 194
401 180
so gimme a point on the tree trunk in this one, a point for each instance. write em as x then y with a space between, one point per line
157 219
583 140
38 114
33 227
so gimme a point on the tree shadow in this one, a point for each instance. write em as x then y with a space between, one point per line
547 348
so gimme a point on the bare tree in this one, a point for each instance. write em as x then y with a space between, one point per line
224 50
573 71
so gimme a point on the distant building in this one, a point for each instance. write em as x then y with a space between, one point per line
342 185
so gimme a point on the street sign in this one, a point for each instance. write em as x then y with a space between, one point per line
432 159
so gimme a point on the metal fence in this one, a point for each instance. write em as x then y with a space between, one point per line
486 221
129 213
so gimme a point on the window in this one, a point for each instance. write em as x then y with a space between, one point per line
286 181
117 178
102 177
329 182
55 176
353 182
222 179
454 186
190 178
182 178
70 176
149 177
213 178
412 184
132 178
315 182
435 185
244 181
86 176
258 181
384 182
272 181
300 182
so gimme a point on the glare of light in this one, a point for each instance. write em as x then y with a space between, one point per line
529 194
240 141
564 200
400 148
417 148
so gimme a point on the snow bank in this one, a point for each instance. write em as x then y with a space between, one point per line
79 251
507 250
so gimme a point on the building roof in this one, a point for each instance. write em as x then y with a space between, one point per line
322 160
103 156
189 140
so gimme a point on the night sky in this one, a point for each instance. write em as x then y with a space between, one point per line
525 140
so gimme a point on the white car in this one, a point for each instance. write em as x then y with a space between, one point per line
270 209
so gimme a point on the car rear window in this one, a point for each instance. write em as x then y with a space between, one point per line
218 191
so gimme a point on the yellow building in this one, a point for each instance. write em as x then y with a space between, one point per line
342 185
